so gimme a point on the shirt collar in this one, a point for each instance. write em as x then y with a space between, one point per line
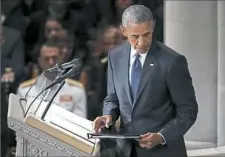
134 52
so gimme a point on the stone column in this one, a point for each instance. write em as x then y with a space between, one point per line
221 73
191 30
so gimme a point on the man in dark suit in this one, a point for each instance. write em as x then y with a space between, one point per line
150 88
12 56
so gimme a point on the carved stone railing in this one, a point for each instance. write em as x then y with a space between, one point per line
32 142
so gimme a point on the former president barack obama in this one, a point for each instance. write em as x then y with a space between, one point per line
150 88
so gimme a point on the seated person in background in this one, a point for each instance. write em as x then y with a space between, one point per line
100 14
55 29
52 29
71 97
12 52
12 66
67 43
62 12
109 38
12 15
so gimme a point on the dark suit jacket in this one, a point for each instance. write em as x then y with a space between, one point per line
12 55
12 51
165 101
12 9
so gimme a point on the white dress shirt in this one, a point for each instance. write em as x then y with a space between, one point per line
142 57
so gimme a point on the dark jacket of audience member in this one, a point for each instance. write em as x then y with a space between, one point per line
13 12
12 55
12 51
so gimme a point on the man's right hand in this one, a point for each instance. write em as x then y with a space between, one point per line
101 122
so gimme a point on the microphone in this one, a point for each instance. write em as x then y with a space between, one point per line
73 71
59 67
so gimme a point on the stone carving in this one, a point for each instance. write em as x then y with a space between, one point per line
21 145
34 150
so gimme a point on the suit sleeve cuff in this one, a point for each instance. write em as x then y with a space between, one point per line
164 140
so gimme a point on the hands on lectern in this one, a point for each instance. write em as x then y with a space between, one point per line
103 128
101 123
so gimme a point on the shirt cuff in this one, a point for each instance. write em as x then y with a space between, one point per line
164 141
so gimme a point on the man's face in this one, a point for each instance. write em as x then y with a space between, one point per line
49 56
52 29
139 35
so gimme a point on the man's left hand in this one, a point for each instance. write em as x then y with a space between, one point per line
150 140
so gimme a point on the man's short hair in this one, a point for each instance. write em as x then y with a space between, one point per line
49 43
136 14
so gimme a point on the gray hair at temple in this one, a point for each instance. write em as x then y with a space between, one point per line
137 14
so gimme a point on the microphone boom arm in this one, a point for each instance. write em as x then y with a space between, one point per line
70 73
50 102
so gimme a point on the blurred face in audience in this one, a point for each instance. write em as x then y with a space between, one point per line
49 56
123 4
52 29
63 41
65 44
58 8
110 38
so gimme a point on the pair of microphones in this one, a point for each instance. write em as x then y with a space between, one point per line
74 65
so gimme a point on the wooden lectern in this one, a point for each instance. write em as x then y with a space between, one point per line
61 133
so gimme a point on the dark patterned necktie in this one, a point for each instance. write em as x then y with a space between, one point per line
135 76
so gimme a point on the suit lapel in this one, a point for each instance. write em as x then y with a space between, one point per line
125 64
148 70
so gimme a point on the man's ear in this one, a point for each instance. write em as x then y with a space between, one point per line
123 31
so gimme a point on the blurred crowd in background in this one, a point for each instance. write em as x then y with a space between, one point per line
85 29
